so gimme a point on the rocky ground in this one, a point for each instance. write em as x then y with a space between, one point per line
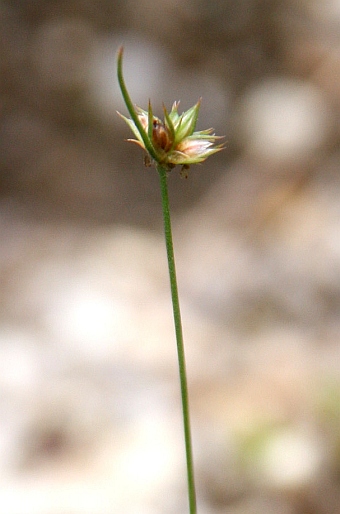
90 419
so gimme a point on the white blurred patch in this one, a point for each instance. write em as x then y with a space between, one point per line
291 459
283 119
19 360
91 320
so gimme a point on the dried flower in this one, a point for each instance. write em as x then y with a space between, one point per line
172 141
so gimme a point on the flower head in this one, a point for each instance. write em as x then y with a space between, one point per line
172 141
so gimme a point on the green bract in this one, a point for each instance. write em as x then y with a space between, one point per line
172 141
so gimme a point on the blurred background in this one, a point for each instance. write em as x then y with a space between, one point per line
90 419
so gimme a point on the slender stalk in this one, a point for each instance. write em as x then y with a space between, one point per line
130 107
179 337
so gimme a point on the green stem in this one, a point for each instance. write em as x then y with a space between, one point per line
130 107
179 337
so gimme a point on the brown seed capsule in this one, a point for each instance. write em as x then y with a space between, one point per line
161 137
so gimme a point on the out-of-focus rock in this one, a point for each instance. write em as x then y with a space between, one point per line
283 120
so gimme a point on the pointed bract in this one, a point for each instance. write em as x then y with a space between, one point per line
174 140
